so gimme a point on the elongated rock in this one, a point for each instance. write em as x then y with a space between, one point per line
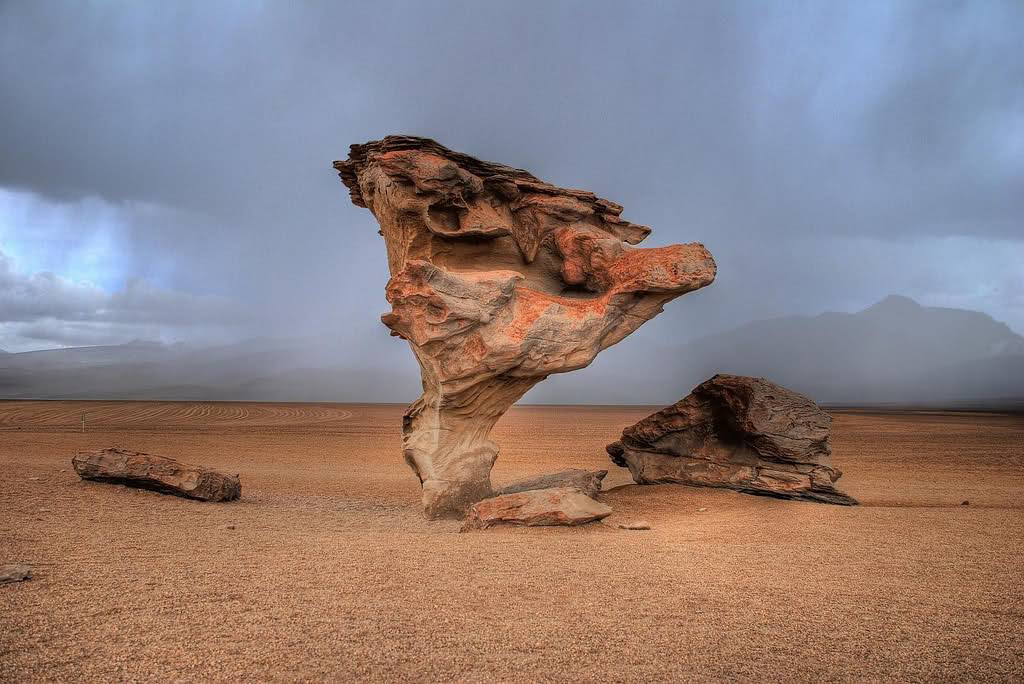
738 432
15 572
158 473
498 280
555 506
587 481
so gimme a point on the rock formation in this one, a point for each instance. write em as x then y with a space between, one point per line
554 506
158 473
586 481
15 572
498 280
634 525
742 433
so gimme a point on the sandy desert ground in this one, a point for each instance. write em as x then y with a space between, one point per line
326 570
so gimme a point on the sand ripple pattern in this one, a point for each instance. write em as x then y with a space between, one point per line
170 415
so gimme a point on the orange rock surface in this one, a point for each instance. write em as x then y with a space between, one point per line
498 280
536 507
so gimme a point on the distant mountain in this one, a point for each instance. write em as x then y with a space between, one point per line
71 357
896 352
266 369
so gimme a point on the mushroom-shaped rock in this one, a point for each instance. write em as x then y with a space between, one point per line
498 280
738 432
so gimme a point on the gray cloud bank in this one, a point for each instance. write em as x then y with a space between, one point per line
45 308
827 156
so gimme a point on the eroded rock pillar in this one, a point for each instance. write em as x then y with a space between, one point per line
498 280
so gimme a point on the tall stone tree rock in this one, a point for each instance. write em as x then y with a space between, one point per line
498 280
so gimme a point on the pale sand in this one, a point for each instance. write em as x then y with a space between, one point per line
331 573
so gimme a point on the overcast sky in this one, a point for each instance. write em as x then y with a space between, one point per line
165 168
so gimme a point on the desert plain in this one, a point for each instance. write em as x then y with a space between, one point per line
326 568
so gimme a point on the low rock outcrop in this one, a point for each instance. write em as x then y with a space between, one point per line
498 280
555 506
634 525
158 473
587 481
738 432
15 572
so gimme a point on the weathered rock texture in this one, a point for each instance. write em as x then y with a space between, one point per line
498 280
634 525
15 572
733 431
158 473
555 506
587 481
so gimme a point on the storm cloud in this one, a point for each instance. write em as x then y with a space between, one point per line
827 154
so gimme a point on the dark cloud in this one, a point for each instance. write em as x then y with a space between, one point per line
827 156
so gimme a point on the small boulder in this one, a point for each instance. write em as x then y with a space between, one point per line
15 572
554 506
635 525
157 473
737 432
586 481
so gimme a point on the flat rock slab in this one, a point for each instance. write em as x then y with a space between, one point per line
157 473
737 432
554 506
587 481
635 525
15 572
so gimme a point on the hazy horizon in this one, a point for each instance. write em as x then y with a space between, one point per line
894 352
242 340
